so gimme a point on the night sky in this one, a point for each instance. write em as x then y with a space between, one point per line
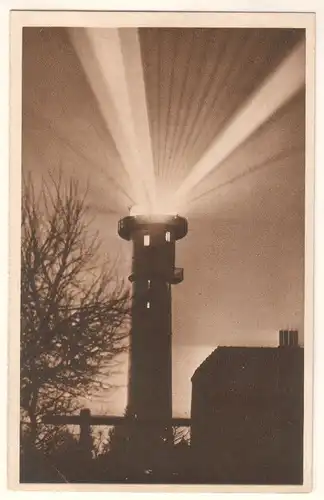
243 257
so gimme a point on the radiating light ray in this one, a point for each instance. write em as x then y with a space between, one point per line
49 124
101 51
90 61
148 37
202 136
278 89
168 51
225 59
133 67
280 138
181 99
158 92
282 155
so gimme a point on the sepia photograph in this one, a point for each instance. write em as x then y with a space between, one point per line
163 173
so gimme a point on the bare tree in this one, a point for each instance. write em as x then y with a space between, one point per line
74 312
181 435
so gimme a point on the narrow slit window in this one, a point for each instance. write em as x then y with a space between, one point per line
148 305
168 236
148 284
147 240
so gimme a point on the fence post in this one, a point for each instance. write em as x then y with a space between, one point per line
85 433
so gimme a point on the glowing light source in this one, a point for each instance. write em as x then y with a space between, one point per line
158 209
138 210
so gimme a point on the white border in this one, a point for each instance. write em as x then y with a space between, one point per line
221 5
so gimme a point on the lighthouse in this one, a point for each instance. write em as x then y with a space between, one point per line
153 273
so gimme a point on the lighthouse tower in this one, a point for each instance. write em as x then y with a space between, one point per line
153 273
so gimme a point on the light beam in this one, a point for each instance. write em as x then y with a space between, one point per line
112 62
280 86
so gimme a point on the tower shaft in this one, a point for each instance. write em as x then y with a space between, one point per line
150 377
153 273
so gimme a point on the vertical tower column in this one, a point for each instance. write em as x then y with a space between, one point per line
151 342
153 273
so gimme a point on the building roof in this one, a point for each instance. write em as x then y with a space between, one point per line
233 368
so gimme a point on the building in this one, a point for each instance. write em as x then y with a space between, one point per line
247 414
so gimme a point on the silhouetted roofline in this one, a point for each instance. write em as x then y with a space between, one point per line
221 350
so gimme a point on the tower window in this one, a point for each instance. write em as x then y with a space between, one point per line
148 305
168 236
148 283
147 240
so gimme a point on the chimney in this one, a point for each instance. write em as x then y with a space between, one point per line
288 338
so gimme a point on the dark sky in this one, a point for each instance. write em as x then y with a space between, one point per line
243 256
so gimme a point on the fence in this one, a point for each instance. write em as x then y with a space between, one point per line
85 420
